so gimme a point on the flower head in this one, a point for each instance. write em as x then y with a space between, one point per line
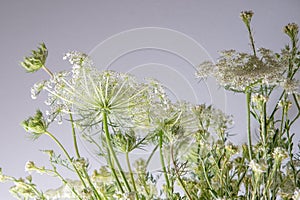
37 59
246 16
36 124
89 93
240 71
291 86
291 30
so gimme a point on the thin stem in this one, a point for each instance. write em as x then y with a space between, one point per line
131 174
251 38
111 150
91 184
74 136
178 175
162 161
114 171
264 126
48 71
151 155
67 155
248 101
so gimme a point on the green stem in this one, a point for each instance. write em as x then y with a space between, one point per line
151 155
264 126
78 156
74 137
131 174
67 155
48 71
178 176
248 101
111 150
251 38
114 171
162 161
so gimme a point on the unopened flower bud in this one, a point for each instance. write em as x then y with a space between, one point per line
291 30
36 124
37 59
246 16
29 166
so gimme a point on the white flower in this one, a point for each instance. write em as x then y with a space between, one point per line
240 71
291 86
29 166
89 93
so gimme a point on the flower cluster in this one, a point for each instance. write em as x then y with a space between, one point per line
240 71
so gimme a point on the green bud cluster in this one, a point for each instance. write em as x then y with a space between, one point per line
36 124
37 59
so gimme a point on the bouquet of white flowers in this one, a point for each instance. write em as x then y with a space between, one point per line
118 115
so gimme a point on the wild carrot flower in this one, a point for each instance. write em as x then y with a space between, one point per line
291 86
238 71
89 92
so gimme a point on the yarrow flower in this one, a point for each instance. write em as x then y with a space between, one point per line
240 71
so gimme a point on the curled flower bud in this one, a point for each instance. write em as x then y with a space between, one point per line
29 166
37 59
36 124
291 30
246 16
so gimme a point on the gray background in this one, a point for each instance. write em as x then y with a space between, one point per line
81 25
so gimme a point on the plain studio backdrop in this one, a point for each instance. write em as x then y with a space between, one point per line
125 36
